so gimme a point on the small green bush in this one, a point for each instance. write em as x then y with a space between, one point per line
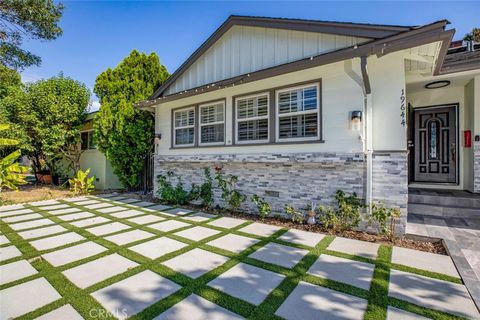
264 208
297 216
175 195
233 197
206 189
81 183
346 215
384 218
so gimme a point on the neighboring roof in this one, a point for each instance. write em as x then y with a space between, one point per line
91 115
372 31
461 61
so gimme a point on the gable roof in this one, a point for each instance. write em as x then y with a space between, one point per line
371 31
384 39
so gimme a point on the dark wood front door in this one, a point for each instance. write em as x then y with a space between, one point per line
435 145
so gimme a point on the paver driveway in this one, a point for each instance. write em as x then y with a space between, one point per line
113 256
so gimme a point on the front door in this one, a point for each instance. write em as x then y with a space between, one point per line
435 144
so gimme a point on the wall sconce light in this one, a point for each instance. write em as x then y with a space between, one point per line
158 137
356 120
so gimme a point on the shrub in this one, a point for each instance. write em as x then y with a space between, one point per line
206 189
382 216
175 195
346 215
233 197
297 216
263 206
81 183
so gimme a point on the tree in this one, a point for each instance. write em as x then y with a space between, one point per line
124 133
51 112
20 19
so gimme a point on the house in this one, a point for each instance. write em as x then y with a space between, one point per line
298 109
92 158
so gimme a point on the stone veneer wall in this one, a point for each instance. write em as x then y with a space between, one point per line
476 166
390 182
281 179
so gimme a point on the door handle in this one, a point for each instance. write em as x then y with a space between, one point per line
453 151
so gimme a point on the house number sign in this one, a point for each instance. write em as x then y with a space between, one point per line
403 113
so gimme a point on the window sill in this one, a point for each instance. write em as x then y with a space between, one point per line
250 144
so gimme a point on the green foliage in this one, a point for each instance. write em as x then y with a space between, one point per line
20 20
11 173
81 184
123 132
297 216
206 189
264 208
175 195
8 78
233 197
384 218
345 216
50 113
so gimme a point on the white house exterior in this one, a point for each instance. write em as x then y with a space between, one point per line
278 103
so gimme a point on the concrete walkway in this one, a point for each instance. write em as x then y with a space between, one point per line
462 239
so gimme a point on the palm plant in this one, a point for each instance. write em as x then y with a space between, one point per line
11 172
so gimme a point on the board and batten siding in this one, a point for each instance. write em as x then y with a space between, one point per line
244 49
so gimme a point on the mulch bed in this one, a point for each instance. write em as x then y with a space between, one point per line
434 246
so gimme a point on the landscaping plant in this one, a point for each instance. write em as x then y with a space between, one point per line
123 132
206 189
297 216
175 195
264 208
385 219
233 197
81 184
345 216
11 173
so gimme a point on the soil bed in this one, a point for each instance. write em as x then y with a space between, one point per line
432 247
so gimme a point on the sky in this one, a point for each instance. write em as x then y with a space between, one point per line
99 34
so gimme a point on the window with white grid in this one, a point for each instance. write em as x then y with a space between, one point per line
184 127
297 112
251 119
212 123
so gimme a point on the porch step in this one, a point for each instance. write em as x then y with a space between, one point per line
442 200
443 210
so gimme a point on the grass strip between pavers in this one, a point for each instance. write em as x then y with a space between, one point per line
377 296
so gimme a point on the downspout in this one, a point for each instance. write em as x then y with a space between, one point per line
368 131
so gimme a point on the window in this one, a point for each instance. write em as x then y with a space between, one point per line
184 127
212 124
252 119
298 114
88 140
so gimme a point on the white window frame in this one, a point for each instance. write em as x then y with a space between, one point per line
200 124
277 113
175 128
237 141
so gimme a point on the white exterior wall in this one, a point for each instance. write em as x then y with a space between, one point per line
387 78
340 94
244 49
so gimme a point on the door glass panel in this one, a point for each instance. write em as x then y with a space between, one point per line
433 140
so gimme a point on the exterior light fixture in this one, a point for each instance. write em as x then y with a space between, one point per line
158 137
437 84
356 120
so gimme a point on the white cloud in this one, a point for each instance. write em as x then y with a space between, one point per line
28 76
